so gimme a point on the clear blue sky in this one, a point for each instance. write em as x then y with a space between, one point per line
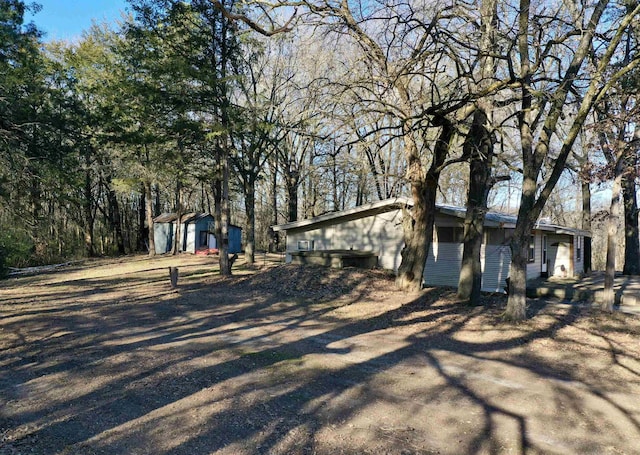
66 19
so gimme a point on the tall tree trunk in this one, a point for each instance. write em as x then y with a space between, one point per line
632 241
115 218
250 212
292 183
608 297
479 147
274 204
157 205
517 301
177 242
585 191
148 197
142 217
225 261
87 207
528 214
418 225
221 211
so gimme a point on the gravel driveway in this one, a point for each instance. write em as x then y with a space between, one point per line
106 358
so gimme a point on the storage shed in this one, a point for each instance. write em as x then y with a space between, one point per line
377 228
196 232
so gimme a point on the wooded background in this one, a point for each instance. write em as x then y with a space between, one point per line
262 114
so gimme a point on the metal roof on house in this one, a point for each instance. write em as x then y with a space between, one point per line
492 219
373 207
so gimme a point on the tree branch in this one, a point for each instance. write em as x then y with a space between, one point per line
235 17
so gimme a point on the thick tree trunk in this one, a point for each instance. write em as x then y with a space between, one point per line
479 147
608 297
517 302
221 213
418 226
632 240
418 232
149 214
250 212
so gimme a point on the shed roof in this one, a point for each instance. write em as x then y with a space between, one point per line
186 218
492 219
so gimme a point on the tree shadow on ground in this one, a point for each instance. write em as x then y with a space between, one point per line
268 364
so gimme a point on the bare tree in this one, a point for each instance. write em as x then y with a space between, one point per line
540 112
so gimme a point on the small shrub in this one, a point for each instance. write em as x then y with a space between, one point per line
15 250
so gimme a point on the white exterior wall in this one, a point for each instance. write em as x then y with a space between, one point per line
534 269
561 255
443 264
190 244
496 263
380 233
444 261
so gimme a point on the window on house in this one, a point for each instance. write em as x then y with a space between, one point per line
532 248
450 234
305 245
499 236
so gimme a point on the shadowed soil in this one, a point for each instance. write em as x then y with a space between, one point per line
105 358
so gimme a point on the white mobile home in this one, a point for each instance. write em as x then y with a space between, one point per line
377 228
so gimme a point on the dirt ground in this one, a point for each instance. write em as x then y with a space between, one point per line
105 358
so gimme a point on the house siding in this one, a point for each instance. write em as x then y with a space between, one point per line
163 237
560 255
443 264
235 240
534 269
189 242
496 263
380 233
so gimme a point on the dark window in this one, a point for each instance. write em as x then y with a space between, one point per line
498 236
532 249
450 234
